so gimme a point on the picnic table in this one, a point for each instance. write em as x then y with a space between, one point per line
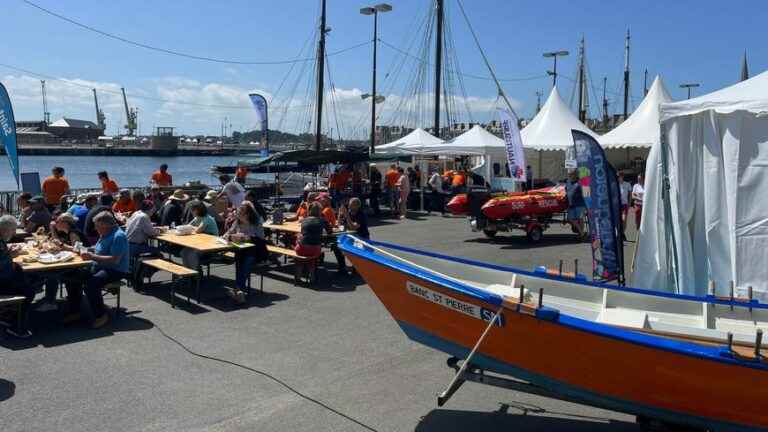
38 267
294 227
204 243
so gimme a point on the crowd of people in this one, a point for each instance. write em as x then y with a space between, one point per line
113 229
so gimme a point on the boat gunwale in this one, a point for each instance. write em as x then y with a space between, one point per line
687 348
754 304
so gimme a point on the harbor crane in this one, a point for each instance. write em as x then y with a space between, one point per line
130 115
100 119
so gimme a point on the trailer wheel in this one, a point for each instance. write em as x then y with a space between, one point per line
535 234
490 233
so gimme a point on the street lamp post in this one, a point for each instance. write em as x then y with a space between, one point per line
374 10
688 87
554 55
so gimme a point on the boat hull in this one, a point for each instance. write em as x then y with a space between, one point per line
599 365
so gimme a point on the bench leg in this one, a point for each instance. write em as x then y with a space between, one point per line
198 288
174 281
261 282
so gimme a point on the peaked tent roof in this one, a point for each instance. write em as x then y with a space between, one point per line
551 128
418 137
642 128
750 95
476 141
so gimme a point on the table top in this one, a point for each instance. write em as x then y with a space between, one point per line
199 242
294 227
74 263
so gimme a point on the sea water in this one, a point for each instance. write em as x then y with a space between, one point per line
127 171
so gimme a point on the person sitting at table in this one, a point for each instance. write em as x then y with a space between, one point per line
22 203
108 186
157 198
204 224
328 214
187 215
67 235
248 227
139 229
172 211
111 261
124 203
81 208
39 216
354 218
303 209
12 280
210 203
309 241
105 204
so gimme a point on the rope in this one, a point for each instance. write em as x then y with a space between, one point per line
179 53
258 372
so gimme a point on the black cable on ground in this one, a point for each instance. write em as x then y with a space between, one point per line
259 372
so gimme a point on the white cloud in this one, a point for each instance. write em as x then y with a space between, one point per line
195 107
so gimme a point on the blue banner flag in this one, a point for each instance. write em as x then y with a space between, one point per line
260 104
8 132
600 188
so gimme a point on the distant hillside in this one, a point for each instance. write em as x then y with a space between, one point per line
279 137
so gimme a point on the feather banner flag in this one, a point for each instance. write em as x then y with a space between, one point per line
8 132
600 188
515 152
260 104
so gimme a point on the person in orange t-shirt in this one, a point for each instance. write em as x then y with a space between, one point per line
390 182
459 182
343 179
124 204
328 214
55 187
107 184
161 177
241 173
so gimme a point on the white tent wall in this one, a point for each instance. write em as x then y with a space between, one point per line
718 174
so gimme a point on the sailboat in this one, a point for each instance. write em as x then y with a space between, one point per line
695 361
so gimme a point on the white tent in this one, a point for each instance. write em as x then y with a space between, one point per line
475 142
548 135
417 138
641 129
632 140
714 225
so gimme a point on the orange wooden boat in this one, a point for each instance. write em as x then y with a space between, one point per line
682 360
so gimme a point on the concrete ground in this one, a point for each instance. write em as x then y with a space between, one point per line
336 345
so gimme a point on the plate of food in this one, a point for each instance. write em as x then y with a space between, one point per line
184 230
53 258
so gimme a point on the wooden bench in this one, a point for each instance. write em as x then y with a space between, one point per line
10 301
178 273
114 289
300 263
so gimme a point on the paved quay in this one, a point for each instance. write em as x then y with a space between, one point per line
335 344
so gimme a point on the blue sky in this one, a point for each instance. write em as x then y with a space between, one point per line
685 40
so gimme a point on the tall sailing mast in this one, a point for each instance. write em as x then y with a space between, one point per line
626 77
582 84
320 78
438 63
